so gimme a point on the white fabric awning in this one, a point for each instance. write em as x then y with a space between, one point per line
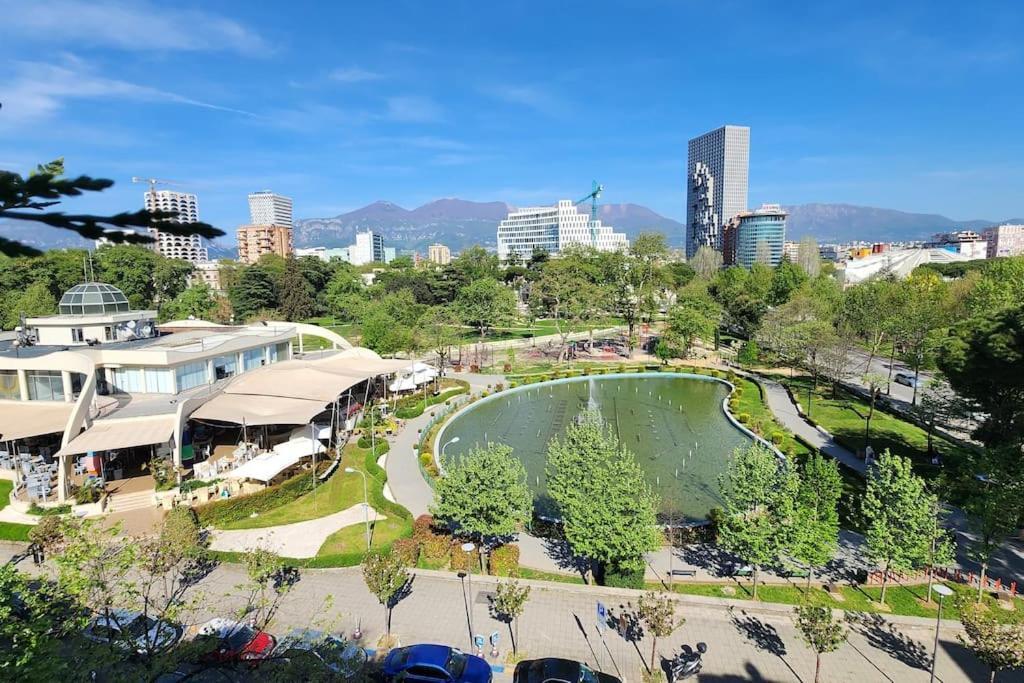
108 435
259 410
264 467
22 419
302 446
413 376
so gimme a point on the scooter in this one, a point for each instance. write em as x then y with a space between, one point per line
688 663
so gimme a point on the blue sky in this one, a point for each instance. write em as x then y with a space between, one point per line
910 105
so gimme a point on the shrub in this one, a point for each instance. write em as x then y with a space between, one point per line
737 392
423 526
617 577
513 385
777 437
500 386
461 559
364 442
744 418
89 493
504 560
34 509
407 551
193 484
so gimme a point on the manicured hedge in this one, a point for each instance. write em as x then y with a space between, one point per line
413 406
615 577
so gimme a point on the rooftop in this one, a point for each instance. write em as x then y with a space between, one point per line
93 298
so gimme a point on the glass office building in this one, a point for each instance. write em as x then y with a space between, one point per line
761 236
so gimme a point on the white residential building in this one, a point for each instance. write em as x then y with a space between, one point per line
186 207
267 208
439 254
552 229
1004 240
369 248
717 172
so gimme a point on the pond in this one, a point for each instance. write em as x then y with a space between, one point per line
674 424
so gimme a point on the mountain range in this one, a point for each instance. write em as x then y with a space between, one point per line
460 223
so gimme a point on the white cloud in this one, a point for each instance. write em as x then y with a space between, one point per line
353 74
531 96
141 26
413 109
40 90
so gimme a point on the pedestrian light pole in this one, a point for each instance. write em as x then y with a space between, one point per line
366 502
943 591
468 548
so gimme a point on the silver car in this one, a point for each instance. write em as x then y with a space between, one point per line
132 631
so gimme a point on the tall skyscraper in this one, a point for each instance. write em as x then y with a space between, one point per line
717 171
267 208
186 206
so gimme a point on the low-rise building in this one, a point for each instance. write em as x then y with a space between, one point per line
208 273
552 229
439 254
966 243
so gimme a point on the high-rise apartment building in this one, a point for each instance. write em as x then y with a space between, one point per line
186 207
439 254
761 236
256 240
552 229
369 248
267 208
716 184
1004 240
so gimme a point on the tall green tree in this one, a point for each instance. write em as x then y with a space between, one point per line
198 301
483 495
760 507
897 511
994 505
984 362
36 300
695 316
296 294
816 531
486 303
130 268
706 262
254 291
607 508
440 329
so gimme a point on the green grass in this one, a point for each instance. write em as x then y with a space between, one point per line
538 575
10 531
752 402
844 417
6 486
352 539
341 491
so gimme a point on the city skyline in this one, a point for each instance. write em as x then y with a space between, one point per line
890 122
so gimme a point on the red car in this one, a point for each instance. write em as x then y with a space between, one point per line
236 642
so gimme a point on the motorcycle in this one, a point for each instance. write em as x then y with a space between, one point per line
688 662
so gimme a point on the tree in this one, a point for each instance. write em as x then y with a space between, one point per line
24 198
170 278
816 532
198 301
870 314
130 268
485 304
695 316
706 262
483 495
999 645
254 291
296 301
984 362
658 613
821 631
387 578
509 603
749 353
921 318
440 330
35 301
608 510
565 290
873 381
941 545
474 264
786 280
30 613
994 504
897 511
808 257
759 511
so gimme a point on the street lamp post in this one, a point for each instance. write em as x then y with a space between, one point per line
366 503
468 548
943 591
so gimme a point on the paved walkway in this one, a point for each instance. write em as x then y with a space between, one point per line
745 642
299 540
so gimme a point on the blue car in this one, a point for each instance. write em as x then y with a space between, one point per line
435 664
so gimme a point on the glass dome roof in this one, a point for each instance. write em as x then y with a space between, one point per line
93 298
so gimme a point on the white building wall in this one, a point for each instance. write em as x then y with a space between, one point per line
552 229
186 206
267 208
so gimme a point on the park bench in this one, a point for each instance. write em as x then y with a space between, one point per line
683 572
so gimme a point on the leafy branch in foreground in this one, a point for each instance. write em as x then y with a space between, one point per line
25 198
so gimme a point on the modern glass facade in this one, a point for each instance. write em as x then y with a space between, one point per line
761 237
9 387
716 188
45 385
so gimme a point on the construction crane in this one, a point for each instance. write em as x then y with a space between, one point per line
595 191
153 182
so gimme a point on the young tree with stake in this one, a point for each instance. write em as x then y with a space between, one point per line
386 577
509 603
821 631
658 613
1000 646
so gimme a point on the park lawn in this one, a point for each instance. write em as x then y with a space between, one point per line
9 531
539 575
6 486
844 418
752 403
352 539
341 491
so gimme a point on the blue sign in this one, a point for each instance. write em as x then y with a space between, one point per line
494 639
478 641
602 613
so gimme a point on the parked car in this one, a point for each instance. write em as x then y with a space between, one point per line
132 631
330 651
555 670
236 641
434 663
905 379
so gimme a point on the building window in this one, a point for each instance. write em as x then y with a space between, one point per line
128 380
77 335
253 358
9 387
225 366
45 385
191 375
108 333
158 381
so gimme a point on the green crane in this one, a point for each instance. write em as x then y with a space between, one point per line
595 191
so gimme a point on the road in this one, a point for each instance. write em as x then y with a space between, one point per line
880 366
745 643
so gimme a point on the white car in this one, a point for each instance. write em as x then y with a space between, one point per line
132 631
905 379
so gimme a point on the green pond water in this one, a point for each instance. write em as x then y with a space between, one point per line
674 425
